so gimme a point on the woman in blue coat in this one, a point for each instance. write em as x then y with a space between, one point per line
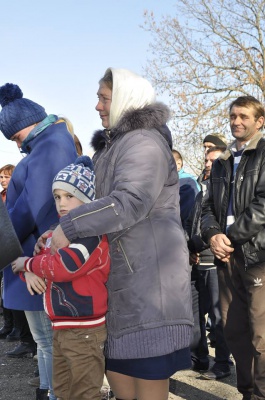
49 147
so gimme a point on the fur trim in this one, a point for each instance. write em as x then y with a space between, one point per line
98 141
153 116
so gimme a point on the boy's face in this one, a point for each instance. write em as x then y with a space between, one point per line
65 201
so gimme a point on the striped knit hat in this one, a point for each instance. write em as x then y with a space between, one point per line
77 179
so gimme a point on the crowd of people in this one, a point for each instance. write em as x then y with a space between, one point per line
129 260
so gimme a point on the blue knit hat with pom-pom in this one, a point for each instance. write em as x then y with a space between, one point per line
17 112
78 179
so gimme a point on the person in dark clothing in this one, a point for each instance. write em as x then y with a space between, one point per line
233 223
207 284
188 190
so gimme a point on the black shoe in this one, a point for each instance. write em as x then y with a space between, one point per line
217 372
14 335
42 394
22 350
5 331
199 365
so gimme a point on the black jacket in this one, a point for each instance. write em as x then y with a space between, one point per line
193 227
247 233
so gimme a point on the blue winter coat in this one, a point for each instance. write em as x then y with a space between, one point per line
31 205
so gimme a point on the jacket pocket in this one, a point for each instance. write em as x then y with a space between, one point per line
125 256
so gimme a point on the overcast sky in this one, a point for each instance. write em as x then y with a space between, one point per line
57 50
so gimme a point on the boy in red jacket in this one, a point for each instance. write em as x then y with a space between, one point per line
74 282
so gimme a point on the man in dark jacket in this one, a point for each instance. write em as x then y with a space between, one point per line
207 283
233 223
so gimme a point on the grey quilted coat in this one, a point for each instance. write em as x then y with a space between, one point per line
138 207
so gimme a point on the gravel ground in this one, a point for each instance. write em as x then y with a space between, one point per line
189 385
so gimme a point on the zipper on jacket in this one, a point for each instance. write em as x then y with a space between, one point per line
239 177
112 205
227 184
121 234
125 256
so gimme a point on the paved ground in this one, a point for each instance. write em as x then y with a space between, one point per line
188 385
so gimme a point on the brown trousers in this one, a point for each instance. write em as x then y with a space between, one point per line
78 363
242 299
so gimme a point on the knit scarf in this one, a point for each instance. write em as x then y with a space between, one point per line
49 120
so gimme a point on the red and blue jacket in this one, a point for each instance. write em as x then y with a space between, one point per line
76 276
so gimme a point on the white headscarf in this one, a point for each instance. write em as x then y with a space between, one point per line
130 91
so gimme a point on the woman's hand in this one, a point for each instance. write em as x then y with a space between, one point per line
18 264
59 240
35 284
41 242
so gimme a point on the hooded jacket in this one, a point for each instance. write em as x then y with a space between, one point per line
247 233
138 207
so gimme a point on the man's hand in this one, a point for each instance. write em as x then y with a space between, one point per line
59 240
35 284
41 242
18 264
221 247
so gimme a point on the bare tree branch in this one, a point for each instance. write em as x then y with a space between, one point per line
204 57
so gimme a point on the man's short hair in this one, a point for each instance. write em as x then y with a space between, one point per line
216 148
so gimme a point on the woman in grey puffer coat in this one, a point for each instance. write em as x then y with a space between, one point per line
149 315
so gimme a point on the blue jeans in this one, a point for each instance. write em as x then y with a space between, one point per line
40 326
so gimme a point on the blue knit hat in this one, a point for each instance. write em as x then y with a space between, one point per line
17 113
77 179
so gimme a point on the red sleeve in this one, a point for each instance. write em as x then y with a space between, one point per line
68 263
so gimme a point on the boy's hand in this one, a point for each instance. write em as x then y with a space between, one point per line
18 264
41 242
35 284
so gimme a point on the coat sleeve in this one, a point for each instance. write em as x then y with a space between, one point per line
252 219
70 262
209 223
140 172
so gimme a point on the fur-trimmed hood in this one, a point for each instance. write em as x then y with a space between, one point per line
153 116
